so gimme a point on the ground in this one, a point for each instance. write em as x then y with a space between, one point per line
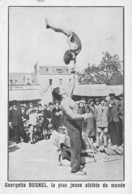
39 162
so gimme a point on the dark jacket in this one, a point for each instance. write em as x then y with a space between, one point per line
15 118
114 112
24 115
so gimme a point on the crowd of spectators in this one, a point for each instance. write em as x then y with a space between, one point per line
32 122
106 125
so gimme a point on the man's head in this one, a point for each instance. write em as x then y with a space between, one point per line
68 56
50 105
58 92
91 101
22 107
14 105
112 96
121 96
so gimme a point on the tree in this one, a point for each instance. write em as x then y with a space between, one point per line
107 72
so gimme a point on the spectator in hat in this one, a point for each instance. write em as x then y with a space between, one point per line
48 118
112 100
121 114
81 108
114 121
15 121
121 106
25 116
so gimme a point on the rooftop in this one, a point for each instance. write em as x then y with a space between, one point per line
54 70
23 79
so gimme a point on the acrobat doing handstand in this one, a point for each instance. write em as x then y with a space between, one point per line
73 41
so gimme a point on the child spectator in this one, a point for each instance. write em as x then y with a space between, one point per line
32 122
101 114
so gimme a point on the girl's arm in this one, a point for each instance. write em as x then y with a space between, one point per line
72 86
73 46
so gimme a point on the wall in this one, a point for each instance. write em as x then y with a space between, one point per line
44 81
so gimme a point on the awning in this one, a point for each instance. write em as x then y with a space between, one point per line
99 90
24 95
115 89
91 90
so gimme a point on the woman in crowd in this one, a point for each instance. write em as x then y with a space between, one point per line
81 108
90 125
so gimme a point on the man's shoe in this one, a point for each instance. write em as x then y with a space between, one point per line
79 172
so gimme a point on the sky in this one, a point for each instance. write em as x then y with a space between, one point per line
99 28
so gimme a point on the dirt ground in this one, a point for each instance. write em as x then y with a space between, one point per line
38 162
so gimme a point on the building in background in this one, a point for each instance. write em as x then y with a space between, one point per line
22 79
23 87
53 76
38 85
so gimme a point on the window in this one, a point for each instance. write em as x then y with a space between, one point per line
50 82
59 70
60 81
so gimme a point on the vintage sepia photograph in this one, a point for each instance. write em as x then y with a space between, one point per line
66 93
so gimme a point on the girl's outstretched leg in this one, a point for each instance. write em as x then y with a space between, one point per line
57 29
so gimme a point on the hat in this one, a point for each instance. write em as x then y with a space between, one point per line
90 100
23 105
14 102
112 94
50 103
121 95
